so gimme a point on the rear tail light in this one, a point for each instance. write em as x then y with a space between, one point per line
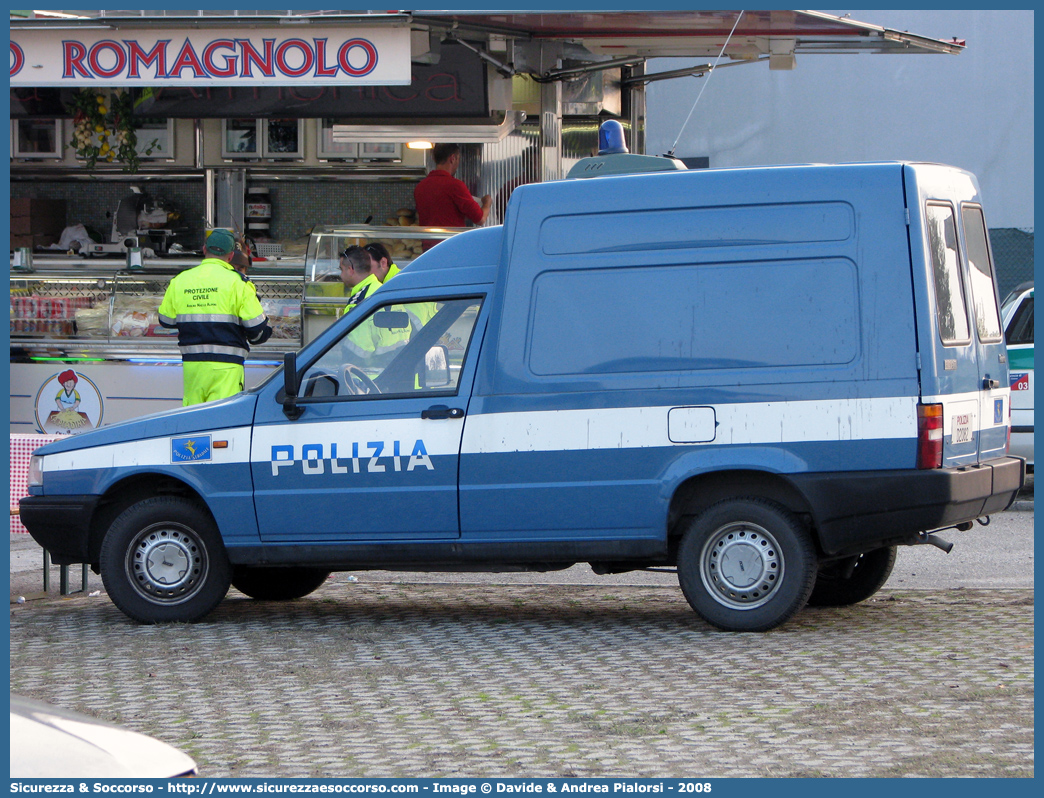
929 436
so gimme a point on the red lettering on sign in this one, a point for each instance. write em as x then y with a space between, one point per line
17 59
443 87
251 57
368 50
72 61
231 61
322 69
156 56
187 59
306 64
389 92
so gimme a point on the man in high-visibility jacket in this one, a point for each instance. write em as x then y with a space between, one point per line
381 265
358 276
368 341
217 314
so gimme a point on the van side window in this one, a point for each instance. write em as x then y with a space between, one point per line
1020 329
399 350
983 290
946 266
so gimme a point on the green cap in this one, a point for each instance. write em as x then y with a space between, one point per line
220 242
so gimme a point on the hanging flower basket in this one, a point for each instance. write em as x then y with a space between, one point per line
103 129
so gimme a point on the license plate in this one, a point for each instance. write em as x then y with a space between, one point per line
962 428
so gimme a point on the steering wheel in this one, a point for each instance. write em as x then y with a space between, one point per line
356 380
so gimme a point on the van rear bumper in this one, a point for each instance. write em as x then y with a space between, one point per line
858 512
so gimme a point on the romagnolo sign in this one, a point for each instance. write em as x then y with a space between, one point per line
189 57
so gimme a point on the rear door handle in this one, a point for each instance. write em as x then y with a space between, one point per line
442 411
989 384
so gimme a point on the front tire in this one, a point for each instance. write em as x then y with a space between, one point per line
853 579
277 584
746 565
162 560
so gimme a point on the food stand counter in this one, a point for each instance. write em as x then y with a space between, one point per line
86 338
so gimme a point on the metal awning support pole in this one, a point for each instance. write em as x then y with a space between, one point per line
550 131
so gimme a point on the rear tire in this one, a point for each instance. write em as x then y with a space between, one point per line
869 572
163 560
277 584
746 565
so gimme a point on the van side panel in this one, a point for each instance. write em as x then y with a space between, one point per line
686 323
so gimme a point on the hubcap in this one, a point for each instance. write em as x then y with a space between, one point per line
167 563
741 566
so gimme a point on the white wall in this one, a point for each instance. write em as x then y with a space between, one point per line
973 110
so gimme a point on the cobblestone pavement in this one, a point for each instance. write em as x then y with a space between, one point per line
428 680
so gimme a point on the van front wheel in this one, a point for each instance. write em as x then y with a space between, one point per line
277 584
163 560
746 565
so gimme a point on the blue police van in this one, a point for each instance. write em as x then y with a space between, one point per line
767 378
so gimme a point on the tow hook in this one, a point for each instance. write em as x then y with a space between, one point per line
935 540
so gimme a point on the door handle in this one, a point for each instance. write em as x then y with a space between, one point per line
442 411
989 384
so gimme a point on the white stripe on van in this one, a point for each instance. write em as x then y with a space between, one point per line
743 423
752 423
152 452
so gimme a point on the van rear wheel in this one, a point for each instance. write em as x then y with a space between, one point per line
746 565
277 584
163 560
853 579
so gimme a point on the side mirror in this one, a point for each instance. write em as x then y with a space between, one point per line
291 386
436 367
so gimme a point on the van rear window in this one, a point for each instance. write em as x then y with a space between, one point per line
695 317
983 288
946 267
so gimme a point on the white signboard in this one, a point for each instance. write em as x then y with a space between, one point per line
315 56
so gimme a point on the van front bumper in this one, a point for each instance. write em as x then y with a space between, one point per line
61 524
858 512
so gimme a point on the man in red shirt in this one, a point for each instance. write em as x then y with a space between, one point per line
444 201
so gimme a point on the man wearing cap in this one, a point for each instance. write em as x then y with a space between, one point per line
217 314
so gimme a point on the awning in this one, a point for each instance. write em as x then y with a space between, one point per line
649 34
696 33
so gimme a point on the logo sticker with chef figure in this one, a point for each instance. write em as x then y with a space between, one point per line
68 403
190 450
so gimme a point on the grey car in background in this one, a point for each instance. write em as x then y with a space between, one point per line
50 742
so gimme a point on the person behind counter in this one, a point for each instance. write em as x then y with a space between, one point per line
241 261
217 315
444 201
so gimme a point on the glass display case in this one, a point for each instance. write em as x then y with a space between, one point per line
324 296
109 314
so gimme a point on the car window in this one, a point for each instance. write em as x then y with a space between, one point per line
402 349
983 288
1020 329
949 288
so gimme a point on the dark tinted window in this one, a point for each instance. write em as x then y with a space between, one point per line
1020 329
